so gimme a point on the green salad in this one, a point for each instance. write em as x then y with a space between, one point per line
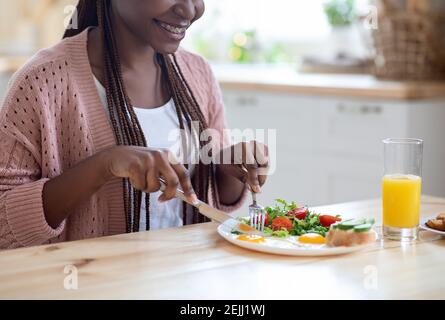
285 219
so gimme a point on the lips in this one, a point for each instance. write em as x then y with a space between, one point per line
175 31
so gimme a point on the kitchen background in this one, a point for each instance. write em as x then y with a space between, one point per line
332 77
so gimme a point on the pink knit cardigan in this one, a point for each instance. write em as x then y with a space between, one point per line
51 119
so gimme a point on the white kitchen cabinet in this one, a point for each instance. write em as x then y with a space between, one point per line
329 149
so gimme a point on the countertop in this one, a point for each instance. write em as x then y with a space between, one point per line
194 262
286 80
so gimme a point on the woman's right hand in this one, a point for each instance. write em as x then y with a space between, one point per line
144 166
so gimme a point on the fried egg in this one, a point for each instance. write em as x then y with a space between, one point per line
251 238
244 227
311 238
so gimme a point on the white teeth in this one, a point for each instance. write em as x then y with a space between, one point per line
173 29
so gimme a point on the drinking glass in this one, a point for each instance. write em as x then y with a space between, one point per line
401 188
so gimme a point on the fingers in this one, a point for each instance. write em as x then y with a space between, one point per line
169 175
153 183
137 173
252 177
182 174
185 182
261 154
150 165
251 163
262 177
175 175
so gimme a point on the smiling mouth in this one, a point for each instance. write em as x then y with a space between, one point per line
177 30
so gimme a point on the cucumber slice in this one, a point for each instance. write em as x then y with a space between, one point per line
363 227
370 220
344 227
350 224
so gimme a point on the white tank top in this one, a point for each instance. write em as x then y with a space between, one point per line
161 129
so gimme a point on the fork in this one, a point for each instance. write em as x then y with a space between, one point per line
257 214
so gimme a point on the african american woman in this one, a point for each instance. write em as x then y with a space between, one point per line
89 126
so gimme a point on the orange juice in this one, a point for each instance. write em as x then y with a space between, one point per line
401 200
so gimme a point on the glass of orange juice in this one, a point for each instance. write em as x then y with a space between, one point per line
401 188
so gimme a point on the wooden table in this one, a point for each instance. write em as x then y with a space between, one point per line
194 262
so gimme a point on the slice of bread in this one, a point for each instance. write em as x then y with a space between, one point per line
342 238
441 216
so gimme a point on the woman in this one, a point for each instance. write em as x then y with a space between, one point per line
84 130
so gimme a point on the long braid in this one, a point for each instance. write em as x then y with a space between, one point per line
197 116
191 107
132 131
125 124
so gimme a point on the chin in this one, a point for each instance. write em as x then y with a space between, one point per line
167 49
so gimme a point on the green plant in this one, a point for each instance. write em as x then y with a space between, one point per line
340 12
204 47
276 53
242 47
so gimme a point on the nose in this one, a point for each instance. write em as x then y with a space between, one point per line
185 9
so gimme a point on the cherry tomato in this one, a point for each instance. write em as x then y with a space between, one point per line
327 220
266 220
281 223
298 213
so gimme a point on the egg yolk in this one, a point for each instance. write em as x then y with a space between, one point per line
312 238
245 227
251 238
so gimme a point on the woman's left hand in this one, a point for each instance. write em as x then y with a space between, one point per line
246 161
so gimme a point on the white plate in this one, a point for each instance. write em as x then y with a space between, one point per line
425 227
288 246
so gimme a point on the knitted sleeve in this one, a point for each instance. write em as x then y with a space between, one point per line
22 219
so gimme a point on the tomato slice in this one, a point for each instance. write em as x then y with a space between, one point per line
299 213
327 220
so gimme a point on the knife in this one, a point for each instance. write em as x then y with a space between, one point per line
209 211
205 209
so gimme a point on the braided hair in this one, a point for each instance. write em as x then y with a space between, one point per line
125 124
